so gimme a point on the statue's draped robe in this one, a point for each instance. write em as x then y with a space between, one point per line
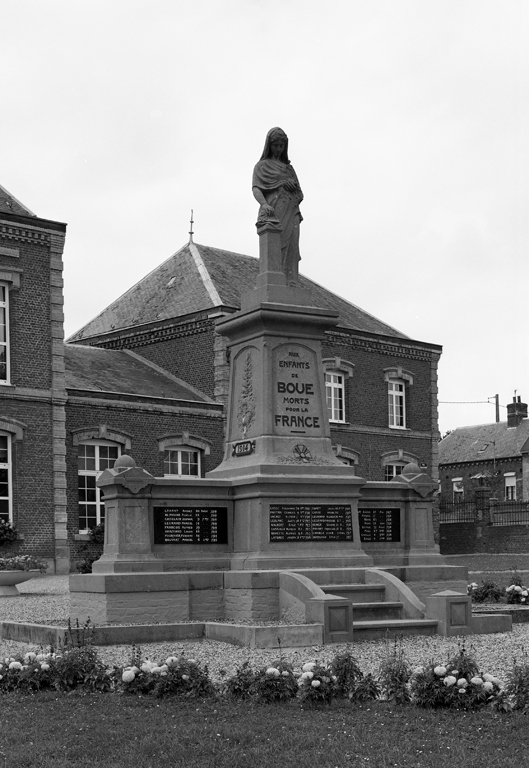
269 176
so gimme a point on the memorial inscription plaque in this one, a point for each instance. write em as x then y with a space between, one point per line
379 524
190 525
310 522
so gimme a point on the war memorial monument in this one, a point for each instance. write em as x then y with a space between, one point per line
281 530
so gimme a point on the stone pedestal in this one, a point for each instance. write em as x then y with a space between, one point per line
295 503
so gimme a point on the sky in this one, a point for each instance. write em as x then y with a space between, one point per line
408 125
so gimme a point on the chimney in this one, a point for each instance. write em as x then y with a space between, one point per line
516 412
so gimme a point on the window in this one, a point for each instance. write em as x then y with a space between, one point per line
4 334
458 490
510 486
5 478
397 379
181 462
336 373
335 394
347 456
392 470
183 454
93 458
397 404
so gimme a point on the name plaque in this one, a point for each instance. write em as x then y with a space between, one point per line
190 525
310 522
379 524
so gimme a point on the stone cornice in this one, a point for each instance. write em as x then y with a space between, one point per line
401 434
147 406
173 331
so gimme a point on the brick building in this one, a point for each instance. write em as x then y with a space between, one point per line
149 375
490 460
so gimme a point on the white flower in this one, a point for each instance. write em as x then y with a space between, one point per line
185 677
418 670
128 676
308 667
449 681
134 669
171 661
488 686
454 672
285 673
517 589
164 667
45 666
476 681
510 589
30 656
147 666
272 672
461 690
156 670
525 593
488 677
462 683
315 683
307 675
15 665
439 671
191 661
163 672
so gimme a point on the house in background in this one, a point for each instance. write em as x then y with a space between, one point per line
488 460
149 376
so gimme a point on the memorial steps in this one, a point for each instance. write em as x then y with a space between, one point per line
375 617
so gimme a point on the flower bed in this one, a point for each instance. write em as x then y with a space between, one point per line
455 683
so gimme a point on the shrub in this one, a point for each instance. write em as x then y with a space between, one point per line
316 684
8 533
22 563
516 592
487 592
92 550
366 689
182 677
395 673
516 693
240 685
275 683
346 672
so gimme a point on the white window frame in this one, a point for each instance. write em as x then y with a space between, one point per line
458 489
396 467
179 451
335 395
336 373
4 306
9 466
99 499
396 404
510 486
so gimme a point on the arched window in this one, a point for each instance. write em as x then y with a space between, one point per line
393 462
346 455
183 454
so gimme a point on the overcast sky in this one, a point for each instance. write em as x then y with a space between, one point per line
408 125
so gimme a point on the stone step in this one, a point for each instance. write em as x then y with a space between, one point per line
357 593
377 630
376 611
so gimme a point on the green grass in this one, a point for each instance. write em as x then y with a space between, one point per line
52 730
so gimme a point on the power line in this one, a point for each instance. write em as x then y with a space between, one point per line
468 402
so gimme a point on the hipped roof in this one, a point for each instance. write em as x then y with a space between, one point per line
198 278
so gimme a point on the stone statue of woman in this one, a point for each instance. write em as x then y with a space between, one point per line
276 189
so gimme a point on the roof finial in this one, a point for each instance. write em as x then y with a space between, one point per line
191 230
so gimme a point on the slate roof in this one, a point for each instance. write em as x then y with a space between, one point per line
198 278
484 442
120 371
9 204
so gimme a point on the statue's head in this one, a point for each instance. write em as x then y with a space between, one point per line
275 134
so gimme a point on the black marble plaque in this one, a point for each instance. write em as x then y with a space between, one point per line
379 524
190 525
310 522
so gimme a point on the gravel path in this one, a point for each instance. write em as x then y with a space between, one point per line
46 599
